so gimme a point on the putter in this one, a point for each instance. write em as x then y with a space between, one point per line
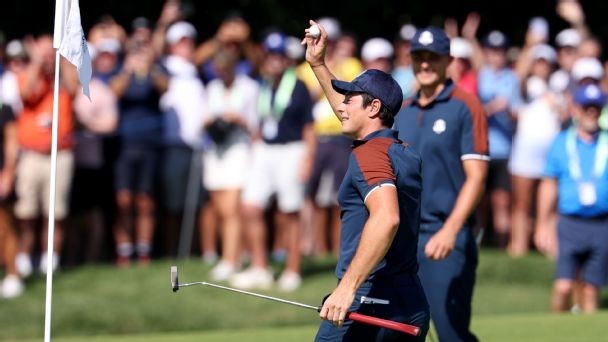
357 317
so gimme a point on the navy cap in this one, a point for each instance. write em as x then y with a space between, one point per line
431 39
589 95
378 84
275 42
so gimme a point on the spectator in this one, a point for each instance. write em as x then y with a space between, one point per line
377 53
448 128
499 92
92 196
575 180
184 106
402 63
461 70
138 88
281 164
16 63
232 119
34 126
233 34
12 286
107 57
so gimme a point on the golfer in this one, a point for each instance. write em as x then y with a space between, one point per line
447 126
380 210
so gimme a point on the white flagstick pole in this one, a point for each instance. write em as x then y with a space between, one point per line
60 15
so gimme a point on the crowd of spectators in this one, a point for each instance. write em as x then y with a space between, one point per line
232 135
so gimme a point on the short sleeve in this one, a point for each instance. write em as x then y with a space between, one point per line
373 167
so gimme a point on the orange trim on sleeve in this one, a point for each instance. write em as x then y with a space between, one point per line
478 116
373 160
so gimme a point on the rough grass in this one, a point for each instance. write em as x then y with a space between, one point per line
101 303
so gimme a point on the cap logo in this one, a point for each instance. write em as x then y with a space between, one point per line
592 92
426 38
439 126
274 40
496 38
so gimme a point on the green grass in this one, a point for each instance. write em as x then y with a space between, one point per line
510 300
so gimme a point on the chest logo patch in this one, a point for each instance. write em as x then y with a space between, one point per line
439 126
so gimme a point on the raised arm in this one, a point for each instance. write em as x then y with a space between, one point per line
315 56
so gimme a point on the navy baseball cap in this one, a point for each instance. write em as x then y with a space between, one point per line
378 84
589 95
431 39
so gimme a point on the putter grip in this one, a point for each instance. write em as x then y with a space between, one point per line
384 323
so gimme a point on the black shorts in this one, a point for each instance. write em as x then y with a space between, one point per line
498 175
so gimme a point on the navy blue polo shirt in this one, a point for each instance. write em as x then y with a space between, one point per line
450 129
381 160
297 114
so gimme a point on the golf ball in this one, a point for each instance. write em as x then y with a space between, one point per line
314 31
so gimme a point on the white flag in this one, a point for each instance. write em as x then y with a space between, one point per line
74 47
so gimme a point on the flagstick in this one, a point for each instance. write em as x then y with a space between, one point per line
51 225
60 11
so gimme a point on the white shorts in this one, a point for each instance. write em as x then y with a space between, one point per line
228 170
276 169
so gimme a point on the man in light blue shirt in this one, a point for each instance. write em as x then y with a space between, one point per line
576 180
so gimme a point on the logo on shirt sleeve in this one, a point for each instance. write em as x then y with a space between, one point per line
439 126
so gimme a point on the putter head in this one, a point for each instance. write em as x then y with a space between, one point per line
174 281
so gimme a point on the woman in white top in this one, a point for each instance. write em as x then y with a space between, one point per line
232 116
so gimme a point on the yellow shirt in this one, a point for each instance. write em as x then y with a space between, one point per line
326 122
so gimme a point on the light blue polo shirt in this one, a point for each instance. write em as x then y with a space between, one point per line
499 84
568 195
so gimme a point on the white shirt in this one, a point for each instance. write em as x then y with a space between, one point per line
184 104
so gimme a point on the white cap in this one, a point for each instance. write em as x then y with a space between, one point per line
535 87
180 30
544 51
568 37
92 50
460 48
407 32
587 67
331 26
559 81
15 48
294 49
109 45
376 48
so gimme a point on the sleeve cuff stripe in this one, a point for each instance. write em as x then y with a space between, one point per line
475 156
376 187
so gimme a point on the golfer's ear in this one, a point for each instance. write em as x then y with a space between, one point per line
375 106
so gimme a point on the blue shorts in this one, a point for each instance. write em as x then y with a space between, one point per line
136 169
407 304
331 157
583 246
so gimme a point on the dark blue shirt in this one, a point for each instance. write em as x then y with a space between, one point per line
297 115
140 117
381 160
450 129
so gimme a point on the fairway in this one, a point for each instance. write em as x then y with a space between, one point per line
102 303
496 328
